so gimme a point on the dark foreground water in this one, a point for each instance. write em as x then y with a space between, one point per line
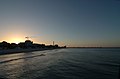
62 64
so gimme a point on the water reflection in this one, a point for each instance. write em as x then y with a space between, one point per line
22 65
11 65
61 64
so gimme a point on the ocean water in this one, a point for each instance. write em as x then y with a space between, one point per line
69 63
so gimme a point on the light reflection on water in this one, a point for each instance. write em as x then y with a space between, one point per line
8 68
61 64
22 65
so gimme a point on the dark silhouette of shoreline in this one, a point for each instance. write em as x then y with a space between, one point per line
27 46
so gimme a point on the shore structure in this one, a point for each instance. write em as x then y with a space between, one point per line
27 46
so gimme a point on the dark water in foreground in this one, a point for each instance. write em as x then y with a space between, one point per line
62 64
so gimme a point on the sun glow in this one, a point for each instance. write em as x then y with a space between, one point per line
16 40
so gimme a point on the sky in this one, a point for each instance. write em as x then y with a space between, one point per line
73 23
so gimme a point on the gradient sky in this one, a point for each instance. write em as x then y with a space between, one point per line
67 22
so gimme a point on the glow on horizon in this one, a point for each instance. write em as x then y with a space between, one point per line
13 40
13 37
16 40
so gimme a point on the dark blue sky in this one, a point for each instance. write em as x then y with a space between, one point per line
68 22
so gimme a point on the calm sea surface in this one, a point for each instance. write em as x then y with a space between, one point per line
70 63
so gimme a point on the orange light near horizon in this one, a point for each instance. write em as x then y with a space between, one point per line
16 40
14 37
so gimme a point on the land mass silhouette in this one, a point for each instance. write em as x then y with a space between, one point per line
27 46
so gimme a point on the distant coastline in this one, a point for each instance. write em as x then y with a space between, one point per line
27 46
96 47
